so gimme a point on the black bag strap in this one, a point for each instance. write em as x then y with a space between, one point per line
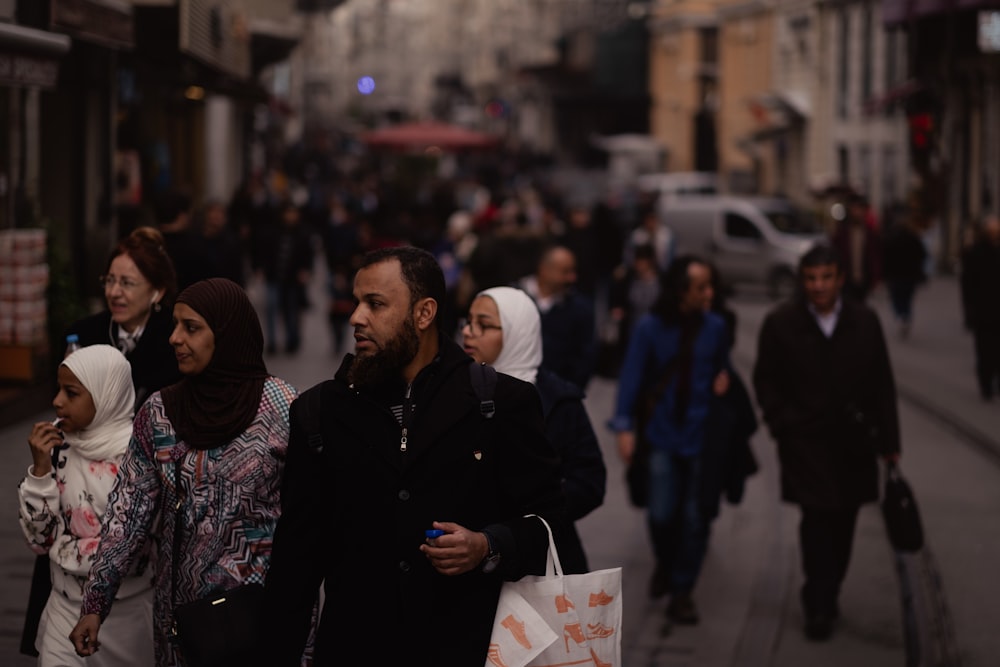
309 416
178 519
484 383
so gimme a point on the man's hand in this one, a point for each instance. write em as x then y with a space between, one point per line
84 635
458 551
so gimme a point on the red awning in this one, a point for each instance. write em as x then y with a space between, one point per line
429 134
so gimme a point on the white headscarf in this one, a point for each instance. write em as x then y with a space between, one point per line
107 375
521 354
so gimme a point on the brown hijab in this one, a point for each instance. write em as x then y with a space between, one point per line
210 409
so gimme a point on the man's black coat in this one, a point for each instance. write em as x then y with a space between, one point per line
830 403
354 515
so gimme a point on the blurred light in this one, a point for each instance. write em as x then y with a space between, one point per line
366 85
838 212
432 151
496 109
194 92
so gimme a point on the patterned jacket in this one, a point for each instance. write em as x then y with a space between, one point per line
231 502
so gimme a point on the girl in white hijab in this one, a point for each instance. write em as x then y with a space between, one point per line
63 498
504 330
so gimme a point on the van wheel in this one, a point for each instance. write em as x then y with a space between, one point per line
782 284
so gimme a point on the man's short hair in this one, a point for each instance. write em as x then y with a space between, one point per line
420 270
821 254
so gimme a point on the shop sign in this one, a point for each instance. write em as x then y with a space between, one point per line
106 22
21 70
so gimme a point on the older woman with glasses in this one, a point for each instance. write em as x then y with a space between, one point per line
139 287
504 330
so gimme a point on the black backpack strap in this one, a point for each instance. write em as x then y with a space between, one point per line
484 383
310 413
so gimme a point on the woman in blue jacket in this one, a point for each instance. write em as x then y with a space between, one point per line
675 361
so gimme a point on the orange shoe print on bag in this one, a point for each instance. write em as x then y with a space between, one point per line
564 604
598 631
493 655
597 661
575 632
600 599
516 628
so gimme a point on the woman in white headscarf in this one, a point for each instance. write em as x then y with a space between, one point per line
64 497
504 330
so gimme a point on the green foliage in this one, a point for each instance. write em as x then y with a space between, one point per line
65 302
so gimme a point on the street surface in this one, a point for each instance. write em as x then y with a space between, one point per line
748 591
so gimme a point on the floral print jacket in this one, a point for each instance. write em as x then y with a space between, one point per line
60 514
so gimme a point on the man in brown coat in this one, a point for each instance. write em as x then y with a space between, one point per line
825 385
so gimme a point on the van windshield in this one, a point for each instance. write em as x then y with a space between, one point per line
793 220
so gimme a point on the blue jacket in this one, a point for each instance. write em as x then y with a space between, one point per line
651 348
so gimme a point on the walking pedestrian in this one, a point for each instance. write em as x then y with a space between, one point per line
139 287
675 360
213 446
904 257
825 385
404 447
287 269
980 284
504 330
569 339
63 500
858 243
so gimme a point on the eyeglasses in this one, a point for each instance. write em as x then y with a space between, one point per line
476 327
127 284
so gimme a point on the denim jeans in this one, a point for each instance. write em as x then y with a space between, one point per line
677 524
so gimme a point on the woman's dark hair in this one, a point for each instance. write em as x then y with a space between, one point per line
674 283
420 270
145 247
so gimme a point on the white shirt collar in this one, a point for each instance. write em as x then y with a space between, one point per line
827 322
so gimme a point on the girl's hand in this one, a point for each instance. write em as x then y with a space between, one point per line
43 438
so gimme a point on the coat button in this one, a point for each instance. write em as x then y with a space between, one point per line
404 494
404 566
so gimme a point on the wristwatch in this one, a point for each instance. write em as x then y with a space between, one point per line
492 559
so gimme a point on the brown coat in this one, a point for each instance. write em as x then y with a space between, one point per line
830 403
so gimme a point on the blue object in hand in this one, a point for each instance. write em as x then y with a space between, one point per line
433 532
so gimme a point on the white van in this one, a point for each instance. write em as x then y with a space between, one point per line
670 185
749 239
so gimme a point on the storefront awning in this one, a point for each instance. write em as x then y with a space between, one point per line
776 112
30 57
105 22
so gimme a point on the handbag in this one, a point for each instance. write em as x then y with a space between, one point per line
220 630
558 619
899 509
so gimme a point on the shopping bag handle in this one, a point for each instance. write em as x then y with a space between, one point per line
552 565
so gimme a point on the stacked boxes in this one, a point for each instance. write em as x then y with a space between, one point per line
24 277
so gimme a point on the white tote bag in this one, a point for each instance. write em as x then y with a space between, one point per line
557 620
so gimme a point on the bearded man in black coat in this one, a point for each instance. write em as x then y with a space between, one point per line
825 385
404 448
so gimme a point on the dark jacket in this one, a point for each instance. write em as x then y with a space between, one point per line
980 283
726 458
830 403
154 365
904 256
569 341
584 476
354 515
